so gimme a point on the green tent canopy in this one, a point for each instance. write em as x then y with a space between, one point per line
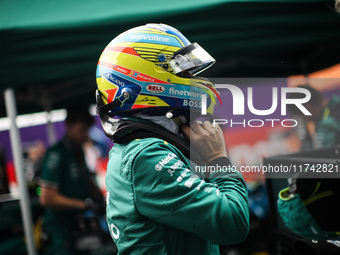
49 49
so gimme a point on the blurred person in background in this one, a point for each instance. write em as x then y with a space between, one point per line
32 163
325 119
67 187
322 127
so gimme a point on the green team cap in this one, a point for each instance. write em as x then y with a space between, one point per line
309 207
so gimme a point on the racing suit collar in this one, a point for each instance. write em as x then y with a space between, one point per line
170 124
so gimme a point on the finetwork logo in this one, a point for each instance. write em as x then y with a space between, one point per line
182 92
238 107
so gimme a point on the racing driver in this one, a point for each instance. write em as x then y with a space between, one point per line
158 202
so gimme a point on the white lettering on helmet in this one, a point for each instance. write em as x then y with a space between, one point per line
155 88
192 103
118 82
149 38
181 92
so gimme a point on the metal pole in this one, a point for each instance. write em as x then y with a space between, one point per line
19 170
51 134
46 104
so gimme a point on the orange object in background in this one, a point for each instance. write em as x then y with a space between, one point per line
323 80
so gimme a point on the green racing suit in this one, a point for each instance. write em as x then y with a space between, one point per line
157 204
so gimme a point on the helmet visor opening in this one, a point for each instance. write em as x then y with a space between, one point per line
192 58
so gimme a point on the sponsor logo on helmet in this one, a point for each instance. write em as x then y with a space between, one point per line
185 93
192 103
149 38
113 79
155 88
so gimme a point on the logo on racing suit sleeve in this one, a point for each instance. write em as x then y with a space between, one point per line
164 161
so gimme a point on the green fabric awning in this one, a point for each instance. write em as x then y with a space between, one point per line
49 49
64 13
